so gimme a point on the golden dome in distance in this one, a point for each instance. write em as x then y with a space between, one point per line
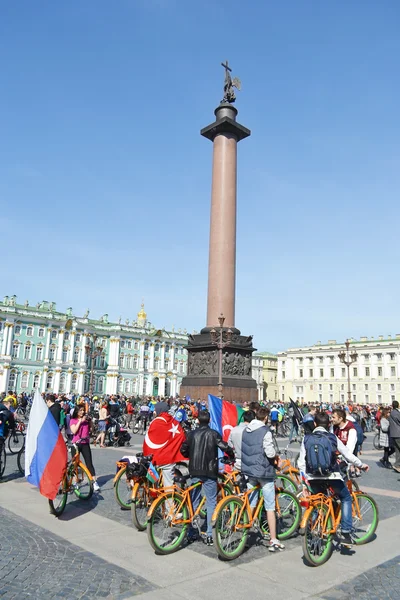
142 315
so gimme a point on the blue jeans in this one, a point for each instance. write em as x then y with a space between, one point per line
342 492
209 488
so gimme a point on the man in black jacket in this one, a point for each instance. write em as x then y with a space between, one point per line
201 447
54 407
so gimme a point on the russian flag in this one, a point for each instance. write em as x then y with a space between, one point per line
45 450
224 415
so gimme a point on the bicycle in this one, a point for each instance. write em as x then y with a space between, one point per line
321 521
376 442
16 438
21 460
134 472
234 517
170 516
76 479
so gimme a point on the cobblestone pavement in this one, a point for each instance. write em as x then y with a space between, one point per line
36 564
380 583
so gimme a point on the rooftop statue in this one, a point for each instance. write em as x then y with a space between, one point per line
229 84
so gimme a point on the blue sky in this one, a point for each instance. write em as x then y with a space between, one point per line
105 180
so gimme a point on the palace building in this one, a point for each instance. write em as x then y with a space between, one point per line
53 351
316 373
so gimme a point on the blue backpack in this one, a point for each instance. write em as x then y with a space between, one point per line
320 453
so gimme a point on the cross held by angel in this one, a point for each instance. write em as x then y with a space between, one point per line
229 84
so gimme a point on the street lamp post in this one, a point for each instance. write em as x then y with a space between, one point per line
92 351
217 338
348 358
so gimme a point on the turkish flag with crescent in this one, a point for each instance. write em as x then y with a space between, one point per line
163 440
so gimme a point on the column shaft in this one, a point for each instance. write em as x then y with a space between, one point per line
222 254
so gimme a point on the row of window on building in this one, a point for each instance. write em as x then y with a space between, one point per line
355 371
367 387
126 361
320 359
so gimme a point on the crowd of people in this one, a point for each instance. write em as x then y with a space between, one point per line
337 430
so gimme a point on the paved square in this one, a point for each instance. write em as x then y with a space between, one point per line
93 551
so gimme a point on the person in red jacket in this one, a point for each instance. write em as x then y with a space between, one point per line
163 441
344 430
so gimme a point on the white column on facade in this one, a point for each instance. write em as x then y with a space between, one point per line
171 359
140 384
70 356
162 358
82 353
43 381
4 379
161 385
56 381
47 344
141 355
111 383
60 345
5 338
81 382
173 386
151 366
69 382
149 387
10 339
113 358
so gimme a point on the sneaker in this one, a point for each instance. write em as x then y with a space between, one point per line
347 539
96 486
275 546
209 540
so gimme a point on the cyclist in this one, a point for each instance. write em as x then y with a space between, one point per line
259 460
308 420
321 439
201 447
144 416
80 428
235 437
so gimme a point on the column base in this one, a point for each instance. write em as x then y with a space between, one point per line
203 368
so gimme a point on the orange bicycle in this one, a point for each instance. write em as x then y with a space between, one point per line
76 479
234 517
170 516
321 521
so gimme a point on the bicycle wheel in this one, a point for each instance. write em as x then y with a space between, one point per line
57 505
287 512
286 483
82 482
2 461
123 489
140 505
229 533
135 428
168 523
16 440
376 443
365 518
21 460
317 543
